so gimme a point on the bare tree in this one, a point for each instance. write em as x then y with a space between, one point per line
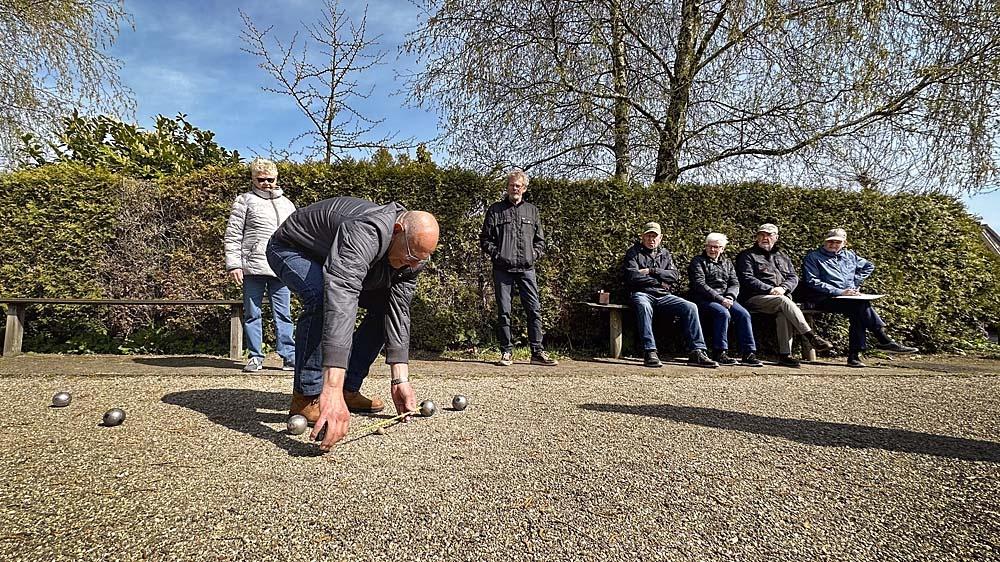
808 89
322 78
54 61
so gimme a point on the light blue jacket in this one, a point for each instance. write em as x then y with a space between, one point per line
829 273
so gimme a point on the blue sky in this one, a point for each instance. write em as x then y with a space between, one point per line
184 56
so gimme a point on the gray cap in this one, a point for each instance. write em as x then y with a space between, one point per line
768 228
652 227
836 234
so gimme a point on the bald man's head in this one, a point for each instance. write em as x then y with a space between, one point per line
415 237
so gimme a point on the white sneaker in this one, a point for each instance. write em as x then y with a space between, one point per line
253 365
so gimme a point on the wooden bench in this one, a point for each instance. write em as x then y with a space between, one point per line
615 328
16 307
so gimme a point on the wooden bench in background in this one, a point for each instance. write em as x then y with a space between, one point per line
16 307
615 328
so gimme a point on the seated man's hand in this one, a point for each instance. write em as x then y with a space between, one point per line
851 292
333 413
727 302
777 291
644 271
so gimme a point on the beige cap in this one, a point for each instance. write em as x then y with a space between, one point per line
836 234
768 228
652 227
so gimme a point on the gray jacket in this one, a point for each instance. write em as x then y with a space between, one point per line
350 237
254 218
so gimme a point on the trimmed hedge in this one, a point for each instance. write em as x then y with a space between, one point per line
71 231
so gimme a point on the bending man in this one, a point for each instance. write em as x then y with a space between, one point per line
337 255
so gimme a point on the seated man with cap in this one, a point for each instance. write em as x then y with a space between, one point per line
651 277
832 271
767 279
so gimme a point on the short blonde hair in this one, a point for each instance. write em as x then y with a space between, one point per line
262 166
717 237
518 173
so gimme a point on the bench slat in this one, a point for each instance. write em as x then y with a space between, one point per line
122 302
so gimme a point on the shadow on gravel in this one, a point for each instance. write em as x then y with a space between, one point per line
236 409
826 434
180 362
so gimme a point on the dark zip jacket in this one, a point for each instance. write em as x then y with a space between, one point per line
350 237
512 235
662 278
760 271
712 281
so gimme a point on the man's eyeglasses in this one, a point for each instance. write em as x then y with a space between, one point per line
266 180
409 254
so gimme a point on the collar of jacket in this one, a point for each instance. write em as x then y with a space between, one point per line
774 250
826 252
650 252
275 193
710 260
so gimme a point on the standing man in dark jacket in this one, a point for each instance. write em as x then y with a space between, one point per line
714 287
337 255
512 237
767 279
651 277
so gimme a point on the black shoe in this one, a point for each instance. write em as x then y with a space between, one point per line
650 359
896 347
750 360
818 343
723 358
542 358
855 362
699 358
788 361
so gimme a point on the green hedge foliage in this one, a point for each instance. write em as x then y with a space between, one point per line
72 231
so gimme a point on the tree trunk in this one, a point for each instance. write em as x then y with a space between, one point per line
621 117
667 155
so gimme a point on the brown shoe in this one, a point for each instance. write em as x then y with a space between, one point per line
359 404
307 406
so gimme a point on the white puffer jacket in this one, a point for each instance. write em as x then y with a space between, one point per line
255 217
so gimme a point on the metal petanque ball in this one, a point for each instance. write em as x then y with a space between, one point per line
113 417
61 399
297 424
428 408
459 402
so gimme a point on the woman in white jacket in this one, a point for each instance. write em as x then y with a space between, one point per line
255 217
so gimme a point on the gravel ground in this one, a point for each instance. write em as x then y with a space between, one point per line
589 460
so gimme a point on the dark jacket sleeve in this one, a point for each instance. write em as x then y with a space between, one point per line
699 285
538 242
397 322
744 270
666 272
355 245
487 237
791 278
733 285
634 280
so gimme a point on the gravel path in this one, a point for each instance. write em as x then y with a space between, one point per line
589 460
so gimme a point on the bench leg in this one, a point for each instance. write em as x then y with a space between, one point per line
615 333
236 332
808 351
14 335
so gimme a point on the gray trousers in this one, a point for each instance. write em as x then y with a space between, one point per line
789 319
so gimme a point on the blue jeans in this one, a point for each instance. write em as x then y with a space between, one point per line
685 310
254 287
861 317
527 285
720 317
304 276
